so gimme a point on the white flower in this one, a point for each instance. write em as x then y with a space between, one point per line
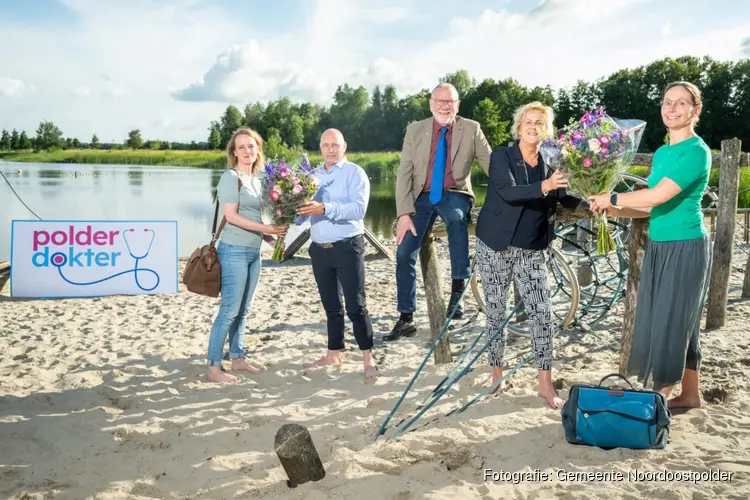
595 145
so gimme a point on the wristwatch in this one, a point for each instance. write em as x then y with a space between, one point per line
613 199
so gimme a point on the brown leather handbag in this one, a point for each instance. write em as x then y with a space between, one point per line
203 271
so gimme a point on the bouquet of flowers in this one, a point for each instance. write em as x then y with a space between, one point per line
594 152
285 188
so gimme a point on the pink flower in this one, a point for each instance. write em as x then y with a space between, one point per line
283 172
278 212
295 180
604 140
297 188
277 188
587 163
275 195
603 151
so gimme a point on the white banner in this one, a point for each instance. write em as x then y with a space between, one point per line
76 258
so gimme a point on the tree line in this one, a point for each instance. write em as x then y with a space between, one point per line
378 122
49 137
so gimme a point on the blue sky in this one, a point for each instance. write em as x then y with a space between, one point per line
169 67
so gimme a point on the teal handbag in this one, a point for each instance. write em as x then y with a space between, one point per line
616 417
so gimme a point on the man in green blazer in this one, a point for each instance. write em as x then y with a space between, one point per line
434 178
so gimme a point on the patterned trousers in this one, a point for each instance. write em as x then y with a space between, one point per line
529 270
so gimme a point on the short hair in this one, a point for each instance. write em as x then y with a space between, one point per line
693 90
232 160
445 85
520 112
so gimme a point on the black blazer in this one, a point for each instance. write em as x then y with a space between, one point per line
508 191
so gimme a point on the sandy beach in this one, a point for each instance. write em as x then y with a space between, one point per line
106 398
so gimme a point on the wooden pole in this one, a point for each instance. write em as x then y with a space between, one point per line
298 455
434 294
724 241
636 250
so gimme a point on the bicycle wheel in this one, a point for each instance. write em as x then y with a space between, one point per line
564 295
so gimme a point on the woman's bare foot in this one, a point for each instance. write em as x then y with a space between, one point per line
683 401
241 365
215 374
550 396
331 358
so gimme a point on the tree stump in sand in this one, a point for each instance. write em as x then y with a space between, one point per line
434 294
298 455
636 250
729 179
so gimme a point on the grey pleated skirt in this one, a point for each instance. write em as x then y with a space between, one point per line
671 296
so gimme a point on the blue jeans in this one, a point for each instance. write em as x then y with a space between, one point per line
453 208
240 273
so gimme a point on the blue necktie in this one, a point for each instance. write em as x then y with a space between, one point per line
438 168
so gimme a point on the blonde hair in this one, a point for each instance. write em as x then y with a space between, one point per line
232 159
549 119
693 90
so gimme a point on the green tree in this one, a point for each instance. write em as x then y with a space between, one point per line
24 142
461 80
48 136
274 146
230 121
15 140
134 139
495 130
95 144
214 136
5 143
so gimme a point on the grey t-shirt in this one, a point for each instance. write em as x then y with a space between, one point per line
249 200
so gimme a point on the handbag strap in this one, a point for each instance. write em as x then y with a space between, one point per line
619 376
214 233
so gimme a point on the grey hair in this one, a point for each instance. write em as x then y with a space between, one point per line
445 85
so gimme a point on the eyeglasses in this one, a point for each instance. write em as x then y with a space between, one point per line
680 104
444 102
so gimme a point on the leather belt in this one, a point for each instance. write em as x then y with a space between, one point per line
339 242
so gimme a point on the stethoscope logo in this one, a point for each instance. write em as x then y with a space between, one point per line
59 260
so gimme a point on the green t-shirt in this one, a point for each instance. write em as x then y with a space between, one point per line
249 200
688 164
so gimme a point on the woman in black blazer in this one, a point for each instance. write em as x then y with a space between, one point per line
514 229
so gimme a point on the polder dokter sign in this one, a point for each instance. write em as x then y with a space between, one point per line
74 258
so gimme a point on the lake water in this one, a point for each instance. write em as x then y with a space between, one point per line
135 192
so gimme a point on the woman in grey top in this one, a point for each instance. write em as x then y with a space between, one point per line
239 251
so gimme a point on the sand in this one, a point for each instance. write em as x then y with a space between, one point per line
106 398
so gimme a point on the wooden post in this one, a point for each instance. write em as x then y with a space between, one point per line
584 272
298 455
729 178
434 294
636 249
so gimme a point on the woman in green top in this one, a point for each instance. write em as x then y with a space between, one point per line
239 251
674 276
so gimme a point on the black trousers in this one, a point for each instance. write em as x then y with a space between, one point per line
339 269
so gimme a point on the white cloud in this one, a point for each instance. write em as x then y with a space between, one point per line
169 67
81 92
666 28
12 87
